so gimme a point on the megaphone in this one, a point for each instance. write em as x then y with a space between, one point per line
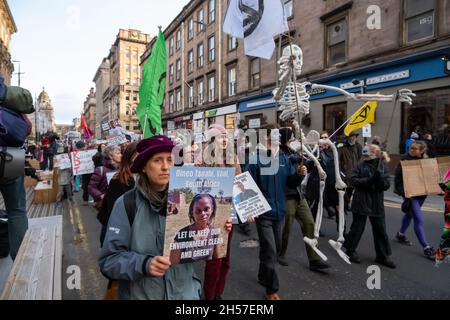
12 162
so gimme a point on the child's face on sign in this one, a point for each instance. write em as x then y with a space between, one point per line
203 210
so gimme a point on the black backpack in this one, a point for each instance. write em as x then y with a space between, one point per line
129 200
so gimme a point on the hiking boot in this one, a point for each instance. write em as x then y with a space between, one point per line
282 261
353 257
430 253
273 296
387 262
402 239
318 265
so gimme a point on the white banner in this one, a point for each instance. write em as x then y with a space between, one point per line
82 162
257 22
63 161
116 140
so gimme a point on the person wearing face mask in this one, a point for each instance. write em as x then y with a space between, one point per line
349 155
370 180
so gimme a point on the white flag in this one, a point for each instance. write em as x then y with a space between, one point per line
257 22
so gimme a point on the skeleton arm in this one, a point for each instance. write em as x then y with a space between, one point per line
404 95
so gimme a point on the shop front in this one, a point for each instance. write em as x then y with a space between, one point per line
424 74
257 111
225 116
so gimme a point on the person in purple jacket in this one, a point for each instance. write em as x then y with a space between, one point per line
99 182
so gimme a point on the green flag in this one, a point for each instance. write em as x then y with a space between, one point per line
153 86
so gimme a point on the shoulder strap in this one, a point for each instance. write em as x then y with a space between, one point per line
129 200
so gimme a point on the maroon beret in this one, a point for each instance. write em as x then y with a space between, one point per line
147 148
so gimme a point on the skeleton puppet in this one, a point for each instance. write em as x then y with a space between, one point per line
294 102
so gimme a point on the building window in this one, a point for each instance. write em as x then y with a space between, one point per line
127 54
190 61
419 19
190 29
232 43
134 69
171 71
200 21
255 74
171 46
288 10
211 88
135 96
200 55
171 102
200 92
135 56
211 48
178 75
212 11
178 100
178 39
127 68
337 42
334 117
191 95
232 81
127 96
135 82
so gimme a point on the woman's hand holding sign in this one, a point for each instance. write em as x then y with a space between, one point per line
159 266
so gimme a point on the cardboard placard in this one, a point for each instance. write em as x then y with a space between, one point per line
421 177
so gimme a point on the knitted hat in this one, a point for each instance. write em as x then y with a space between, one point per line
215 130
148 148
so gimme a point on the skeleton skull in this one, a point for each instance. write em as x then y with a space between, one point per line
297 55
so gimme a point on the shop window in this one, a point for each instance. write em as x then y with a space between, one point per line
334 117
430 113
229 121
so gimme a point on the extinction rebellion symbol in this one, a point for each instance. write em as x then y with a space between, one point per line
253 17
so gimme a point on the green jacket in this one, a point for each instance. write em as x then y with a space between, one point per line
128 250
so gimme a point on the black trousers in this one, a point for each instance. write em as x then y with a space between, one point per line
380 238
269 233
85 178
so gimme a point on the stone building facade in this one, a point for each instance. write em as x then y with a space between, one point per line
7 28
387 45
90 109
45 114
120 97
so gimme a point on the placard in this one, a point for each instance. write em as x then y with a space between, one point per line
199 205
116 140
63 161
82 162
248 199
421 177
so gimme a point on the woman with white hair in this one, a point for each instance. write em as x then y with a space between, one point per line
370 179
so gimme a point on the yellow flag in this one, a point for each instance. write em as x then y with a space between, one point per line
365 115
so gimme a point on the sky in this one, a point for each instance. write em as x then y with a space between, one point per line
61 43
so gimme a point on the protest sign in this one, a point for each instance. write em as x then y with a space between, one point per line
116 140
247 198
421 177
199 204
444 165
82 162
63 161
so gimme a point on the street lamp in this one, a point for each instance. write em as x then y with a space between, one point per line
18 73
